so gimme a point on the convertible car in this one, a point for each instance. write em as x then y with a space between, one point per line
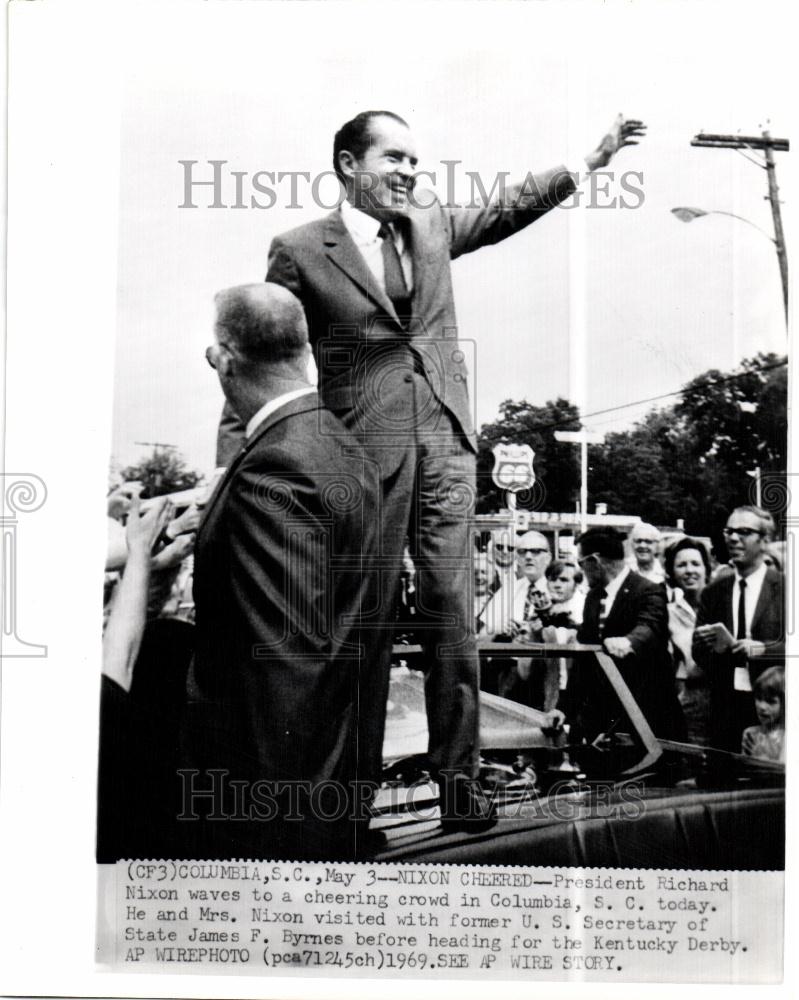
626 800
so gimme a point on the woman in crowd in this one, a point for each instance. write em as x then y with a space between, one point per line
687 573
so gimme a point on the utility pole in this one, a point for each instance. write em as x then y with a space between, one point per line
583 438
768 146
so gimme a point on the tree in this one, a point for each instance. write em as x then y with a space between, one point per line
555 464
690 460
740 418
163 471
650 471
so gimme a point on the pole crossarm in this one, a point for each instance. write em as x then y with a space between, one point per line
713 140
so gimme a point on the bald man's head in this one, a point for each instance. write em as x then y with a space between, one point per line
533 554
263 324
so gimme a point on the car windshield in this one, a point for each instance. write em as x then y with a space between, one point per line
522 757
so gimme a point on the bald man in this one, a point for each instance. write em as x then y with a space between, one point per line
645 541
283 696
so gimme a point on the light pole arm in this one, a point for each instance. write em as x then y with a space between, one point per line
740 218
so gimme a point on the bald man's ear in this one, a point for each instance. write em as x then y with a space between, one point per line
226 362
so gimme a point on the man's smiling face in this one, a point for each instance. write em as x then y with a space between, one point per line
745 538
384 176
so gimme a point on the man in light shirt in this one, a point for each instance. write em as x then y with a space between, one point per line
740 626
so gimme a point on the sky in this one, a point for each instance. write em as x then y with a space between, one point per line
602 305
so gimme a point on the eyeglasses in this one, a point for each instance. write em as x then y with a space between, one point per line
741 532
504 548
582 561
533 552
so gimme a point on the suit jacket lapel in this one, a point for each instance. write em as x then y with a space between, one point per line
617 607
342 251
765 600
726 604
428 258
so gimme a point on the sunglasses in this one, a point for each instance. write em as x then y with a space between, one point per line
535 552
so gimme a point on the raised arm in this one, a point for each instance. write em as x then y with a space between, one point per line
125 626
506 209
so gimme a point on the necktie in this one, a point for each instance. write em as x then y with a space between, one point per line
393 276
602 610
529 603
741 631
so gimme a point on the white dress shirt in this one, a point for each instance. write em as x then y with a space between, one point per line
655 573
364 229
612 589
275 404
754 584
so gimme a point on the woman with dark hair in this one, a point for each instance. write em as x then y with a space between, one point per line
687 573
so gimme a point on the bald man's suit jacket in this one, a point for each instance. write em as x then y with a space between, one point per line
281 687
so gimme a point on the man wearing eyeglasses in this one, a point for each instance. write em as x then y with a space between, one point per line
740 627
515 610
517 602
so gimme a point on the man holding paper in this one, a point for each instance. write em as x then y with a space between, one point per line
740 628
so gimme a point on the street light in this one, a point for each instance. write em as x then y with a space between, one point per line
687 214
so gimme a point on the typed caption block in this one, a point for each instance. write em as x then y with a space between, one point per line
436 920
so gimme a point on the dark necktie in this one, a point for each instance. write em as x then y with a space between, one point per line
393 275
741 631
602 610
529 603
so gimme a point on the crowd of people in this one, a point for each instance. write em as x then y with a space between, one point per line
690 653
262 699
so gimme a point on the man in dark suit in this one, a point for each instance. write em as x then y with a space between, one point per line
374 279
740 627
627 615
283 680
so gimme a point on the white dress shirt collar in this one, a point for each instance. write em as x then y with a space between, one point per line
362 228
275 404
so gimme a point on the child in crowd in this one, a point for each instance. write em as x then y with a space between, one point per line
767 740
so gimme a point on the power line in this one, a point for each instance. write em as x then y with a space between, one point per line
724 379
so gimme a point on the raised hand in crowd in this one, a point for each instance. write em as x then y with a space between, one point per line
174 553
123 632
185 523
119 499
